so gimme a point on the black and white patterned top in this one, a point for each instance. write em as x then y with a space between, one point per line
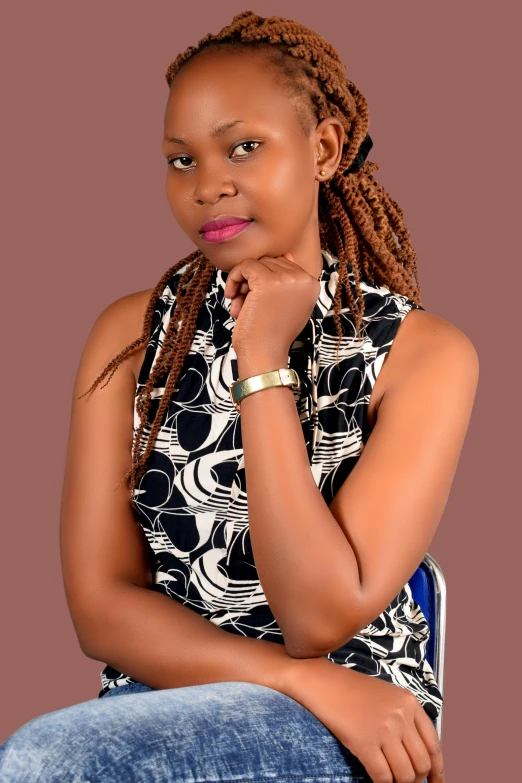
192 497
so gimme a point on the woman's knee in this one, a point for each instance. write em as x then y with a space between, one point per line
89 739
172 730
74 742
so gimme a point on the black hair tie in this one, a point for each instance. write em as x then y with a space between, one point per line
361 156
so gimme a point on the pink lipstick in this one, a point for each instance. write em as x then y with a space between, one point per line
223 228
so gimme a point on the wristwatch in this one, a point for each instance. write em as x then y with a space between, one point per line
285 376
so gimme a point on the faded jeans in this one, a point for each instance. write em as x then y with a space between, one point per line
225 732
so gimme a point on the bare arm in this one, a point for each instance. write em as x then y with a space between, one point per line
106 564
164 644
307 568
329 570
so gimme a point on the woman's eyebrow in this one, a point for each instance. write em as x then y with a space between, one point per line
217 130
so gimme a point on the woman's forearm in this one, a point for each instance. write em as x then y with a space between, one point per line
306 566
162 643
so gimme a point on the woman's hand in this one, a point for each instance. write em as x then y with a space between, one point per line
382 724
272 300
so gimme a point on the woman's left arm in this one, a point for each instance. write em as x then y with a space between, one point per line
328 571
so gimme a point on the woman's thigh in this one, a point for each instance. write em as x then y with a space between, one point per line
225 732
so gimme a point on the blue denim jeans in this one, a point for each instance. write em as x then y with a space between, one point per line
225 732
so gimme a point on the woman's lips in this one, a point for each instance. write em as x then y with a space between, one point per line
222 234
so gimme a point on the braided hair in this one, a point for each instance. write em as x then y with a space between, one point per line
359 223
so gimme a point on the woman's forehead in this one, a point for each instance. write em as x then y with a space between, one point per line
220 70
213 90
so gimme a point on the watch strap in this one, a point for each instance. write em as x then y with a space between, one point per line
286 376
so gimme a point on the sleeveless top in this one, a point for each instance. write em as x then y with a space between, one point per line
192 497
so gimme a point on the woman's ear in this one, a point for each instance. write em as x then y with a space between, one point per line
329 146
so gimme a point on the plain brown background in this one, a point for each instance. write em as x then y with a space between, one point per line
86 221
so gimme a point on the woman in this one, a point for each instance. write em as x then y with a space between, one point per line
303 281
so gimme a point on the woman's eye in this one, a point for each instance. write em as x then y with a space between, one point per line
174 161
244 144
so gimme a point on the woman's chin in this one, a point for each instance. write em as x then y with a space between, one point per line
227 254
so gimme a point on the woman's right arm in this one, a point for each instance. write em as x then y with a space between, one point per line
105 557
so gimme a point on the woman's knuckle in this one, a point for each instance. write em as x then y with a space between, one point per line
392 729
399 716
411 702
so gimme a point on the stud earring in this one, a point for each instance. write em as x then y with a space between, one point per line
322 173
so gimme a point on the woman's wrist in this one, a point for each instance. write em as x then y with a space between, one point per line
273 667
291 675
255 364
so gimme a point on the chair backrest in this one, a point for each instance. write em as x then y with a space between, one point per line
428 588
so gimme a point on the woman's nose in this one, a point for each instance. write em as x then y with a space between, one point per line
212 183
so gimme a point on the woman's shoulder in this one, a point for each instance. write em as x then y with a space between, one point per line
421 330
402 332
121 322
396 321
425 337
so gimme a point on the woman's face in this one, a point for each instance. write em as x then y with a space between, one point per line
240 151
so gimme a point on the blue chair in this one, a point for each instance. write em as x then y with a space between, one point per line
428 588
